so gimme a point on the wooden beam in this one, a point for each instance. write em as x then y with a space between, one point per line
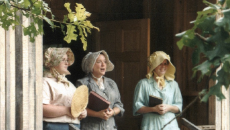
225 109
2 79
25 80
10 79
39 83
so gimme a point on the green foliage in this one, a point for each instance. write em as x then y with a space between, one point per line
76 23
210 38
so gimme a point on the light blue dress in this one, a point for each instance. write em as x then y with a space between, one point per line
170 94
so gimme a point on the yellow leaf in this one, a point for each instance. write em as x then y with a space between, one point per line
71 17
70 35
67 6
84 42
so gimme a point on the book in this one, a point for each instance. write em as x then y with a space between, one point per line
97 102
153 101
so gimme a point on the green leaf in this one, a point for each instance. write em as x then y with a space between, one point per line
221 2
214 6
62 28
219 51
207 24
26 3
196 57
203 67
214 90
227 3
224 21
49 21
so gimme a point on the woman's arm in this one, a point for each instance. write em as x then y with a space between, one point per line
56 111
116 111
161 109
146 109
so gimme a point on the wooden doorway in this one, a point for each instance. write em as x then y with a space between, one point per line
127 43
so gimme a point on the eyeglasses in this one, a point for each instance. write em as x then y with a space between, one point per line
65 60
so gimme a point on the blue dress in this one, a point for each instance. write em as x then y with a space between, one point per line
170 94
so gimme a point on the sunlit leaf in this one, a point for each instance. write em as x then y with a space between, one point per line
70 33
67 6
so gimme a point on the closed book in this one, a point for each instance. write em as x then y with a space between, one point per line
154 101
97 102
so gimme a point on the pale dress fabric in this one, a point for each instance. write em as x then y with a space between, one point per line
171 95
59 94
112 94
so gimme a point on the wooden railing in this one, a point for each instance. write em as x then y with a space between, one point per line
190 126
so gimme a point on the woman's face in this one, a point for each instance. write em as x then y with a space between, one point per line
62 68
99 67
162 68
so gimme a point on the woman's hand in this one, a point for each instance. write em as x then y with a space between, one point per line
164 108
110 112
103 114
68 112
82 115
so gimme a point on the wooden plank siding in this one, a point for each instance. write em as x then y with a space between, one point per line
20 80
10 79
2 79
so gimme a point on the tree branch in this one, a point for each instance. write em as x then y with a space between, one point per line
194 100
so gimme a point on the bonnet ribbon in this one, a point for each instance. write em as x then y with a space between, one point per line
100 82
60 78
160 80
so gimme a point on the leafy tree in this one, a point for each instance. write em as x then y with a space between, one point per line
209 37
37 10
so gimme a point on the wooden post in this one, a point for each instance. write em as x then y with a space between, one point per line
2 79
20 79
10 79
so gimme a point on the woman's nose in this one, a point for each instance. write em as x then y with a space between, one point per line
103 64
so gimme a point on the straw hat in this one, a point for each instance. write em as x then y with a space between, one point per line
156 59
79 100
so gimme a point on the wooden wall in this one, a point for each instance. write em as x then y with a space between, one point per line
20 80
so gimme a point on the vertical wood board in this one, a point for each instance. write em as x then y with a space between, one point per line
225 109
10 79
2 79
25 84
39 81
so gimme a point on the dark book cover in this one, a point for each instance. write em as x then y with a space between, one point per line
97 102
153 101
